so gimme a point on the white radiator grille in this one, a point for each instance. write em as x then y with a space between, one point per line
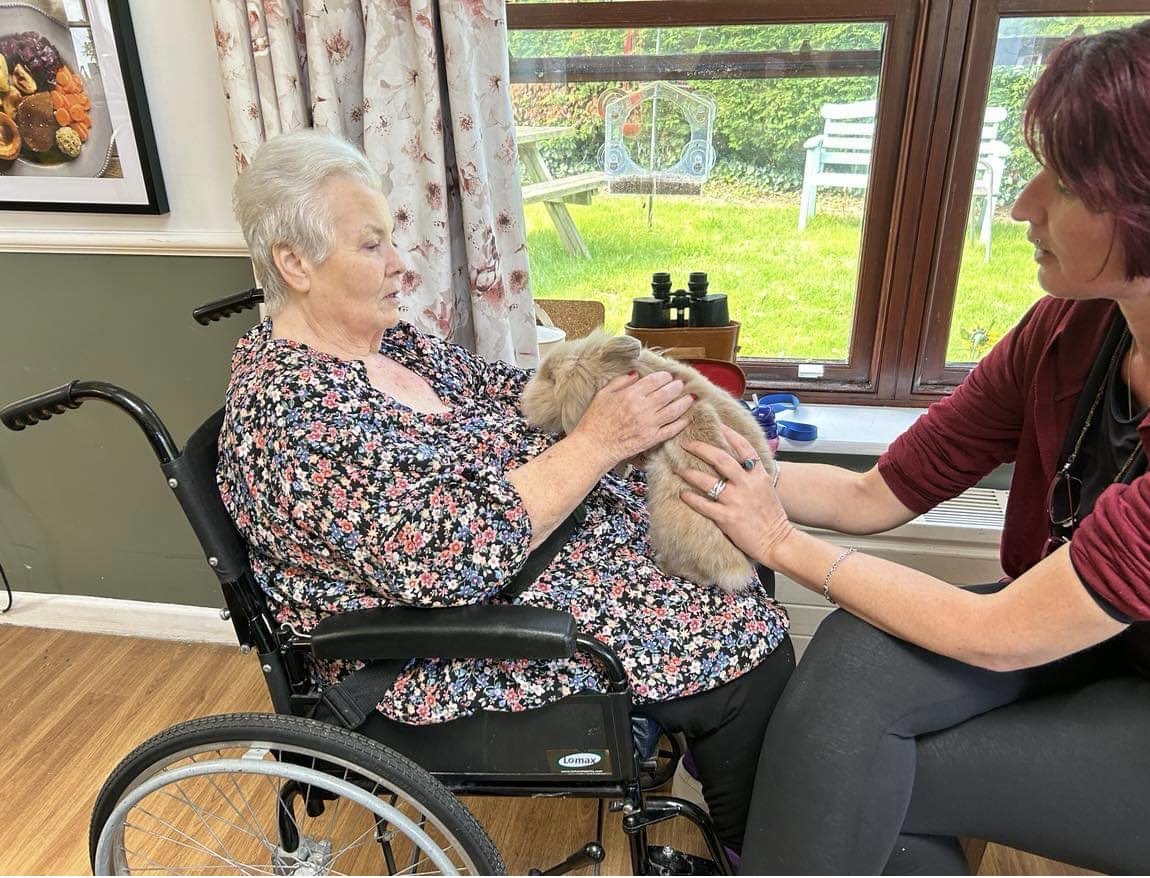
977 507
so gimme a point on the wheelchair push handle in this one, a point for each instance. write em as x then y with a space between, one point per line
228 306
42 406
33 409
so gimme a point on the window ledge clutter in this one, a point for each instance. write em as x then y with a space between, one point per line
850 429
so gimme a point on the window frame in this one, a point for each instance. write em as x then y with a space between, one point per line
933 85
932 376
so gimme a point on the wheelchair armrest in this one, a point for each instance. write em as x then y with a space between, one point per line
501 632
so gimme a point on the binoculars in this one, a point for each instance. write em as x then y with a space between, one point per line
693 306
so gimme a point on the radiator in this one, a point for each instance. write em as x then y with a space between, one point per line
957 541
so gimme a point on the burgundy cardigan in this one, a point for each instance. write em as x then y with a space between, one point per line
1017 405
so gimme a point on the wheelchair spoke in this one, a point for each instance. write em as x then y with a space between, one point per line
333 809
191 844
258 834
179 870
415 850
158 867
266 797
236 826
199 812
379 832
414 867
251 813
249 819
354 843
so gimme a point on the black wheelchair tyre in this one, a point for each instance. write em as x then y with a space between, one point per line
295 741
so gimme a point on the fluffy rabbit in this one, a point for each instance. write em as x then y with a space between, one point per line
685 543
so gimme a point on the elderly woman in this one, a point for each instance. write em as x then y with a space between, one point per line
368 464
1017 713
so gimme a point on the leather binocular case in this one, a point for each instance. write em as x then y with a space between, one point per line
691 342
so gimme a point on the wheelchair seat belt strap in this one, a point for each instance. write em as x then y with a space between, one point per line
354 698
538 560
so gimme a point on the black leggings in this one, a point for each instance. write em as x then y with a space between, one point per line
724 728
880 752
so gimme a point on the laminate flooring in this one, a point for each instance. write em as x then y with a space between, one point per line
74 704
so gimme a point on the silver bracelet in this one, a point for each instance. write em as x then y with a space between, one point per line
827 579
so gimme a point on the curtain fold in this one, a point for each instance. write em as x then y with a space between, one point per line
422 87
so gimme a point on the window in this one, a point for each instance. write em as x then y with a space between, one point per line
995 271
842 170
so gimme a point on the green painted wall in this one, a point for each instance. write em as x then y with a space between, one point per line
84 508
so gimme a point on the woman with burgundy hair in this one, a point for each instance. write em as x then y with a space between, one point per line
1018 712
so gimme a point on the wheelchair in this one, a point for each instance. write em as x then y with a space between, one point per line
257 792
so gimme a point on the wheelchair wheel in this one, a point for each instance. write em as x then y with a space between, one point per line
272 794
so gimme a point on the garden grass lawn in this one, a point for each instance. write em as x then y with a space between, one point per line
792 291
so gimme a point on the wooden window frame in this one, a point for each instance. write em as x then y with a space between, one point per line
970 72
933 85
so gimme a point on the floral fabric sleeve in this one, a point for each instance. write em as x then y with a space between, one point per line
502 380
495 381
416 526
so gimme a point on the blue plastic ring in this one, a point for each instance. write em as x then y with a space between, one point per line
778 402
798 432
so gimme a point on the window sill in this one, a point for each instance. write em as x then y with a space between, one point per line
849 429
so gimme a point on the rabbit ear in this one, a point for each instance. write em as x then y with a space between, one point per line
620 353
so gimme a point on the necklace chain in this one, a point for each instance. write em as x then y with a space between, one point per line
1130 382
1126 466
1090 419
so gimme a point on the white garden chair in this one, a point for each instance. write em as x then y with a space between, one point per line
840 157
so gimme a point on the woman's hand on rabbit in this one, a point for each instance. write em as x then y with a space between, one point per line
746 508
631 414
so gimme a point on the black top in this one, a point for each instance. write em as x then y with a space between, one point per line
1111 442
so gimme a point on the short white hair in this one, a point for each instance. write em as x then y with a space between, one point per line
278 199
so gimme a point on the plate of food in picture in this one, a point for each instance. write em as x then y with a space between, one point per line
54 117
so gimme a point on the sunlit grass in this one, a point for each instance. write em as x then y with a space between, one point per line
793 292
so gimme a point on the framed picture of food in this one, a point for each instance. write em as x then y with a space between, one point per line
75 132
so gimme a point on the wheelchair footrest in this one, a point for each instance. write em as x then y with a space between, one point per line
590 854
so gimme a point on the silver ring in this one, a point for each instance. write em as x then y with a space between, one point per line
717 489
749 463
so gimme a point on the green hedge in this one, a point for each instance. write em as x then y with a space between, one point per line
760 125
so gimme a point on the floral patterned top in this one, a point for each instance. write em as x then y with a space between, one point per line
349 499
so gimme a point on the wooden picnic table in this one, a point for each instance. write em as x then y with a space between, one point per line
556 193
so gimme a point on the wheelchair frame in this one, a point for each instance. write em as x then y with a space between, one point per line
474 756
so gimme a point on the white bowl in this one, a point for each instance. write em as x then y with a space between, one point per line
548 337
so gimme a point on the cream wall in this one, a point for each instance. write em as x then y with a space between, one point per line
185 96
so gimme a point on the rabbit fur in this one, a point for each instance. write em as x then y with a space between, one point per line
684 542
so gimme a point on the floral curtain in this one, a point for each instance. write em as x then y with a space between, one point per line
422 87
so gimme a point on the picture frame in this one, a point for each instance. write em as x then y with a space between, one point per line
75 131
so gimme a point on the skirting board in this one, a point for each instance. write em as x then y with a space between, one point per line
96 615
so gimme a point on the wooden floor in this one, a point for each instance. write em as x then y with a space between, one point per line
74 704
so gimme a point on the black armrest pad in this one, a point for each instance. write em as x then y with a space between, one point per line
452 632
